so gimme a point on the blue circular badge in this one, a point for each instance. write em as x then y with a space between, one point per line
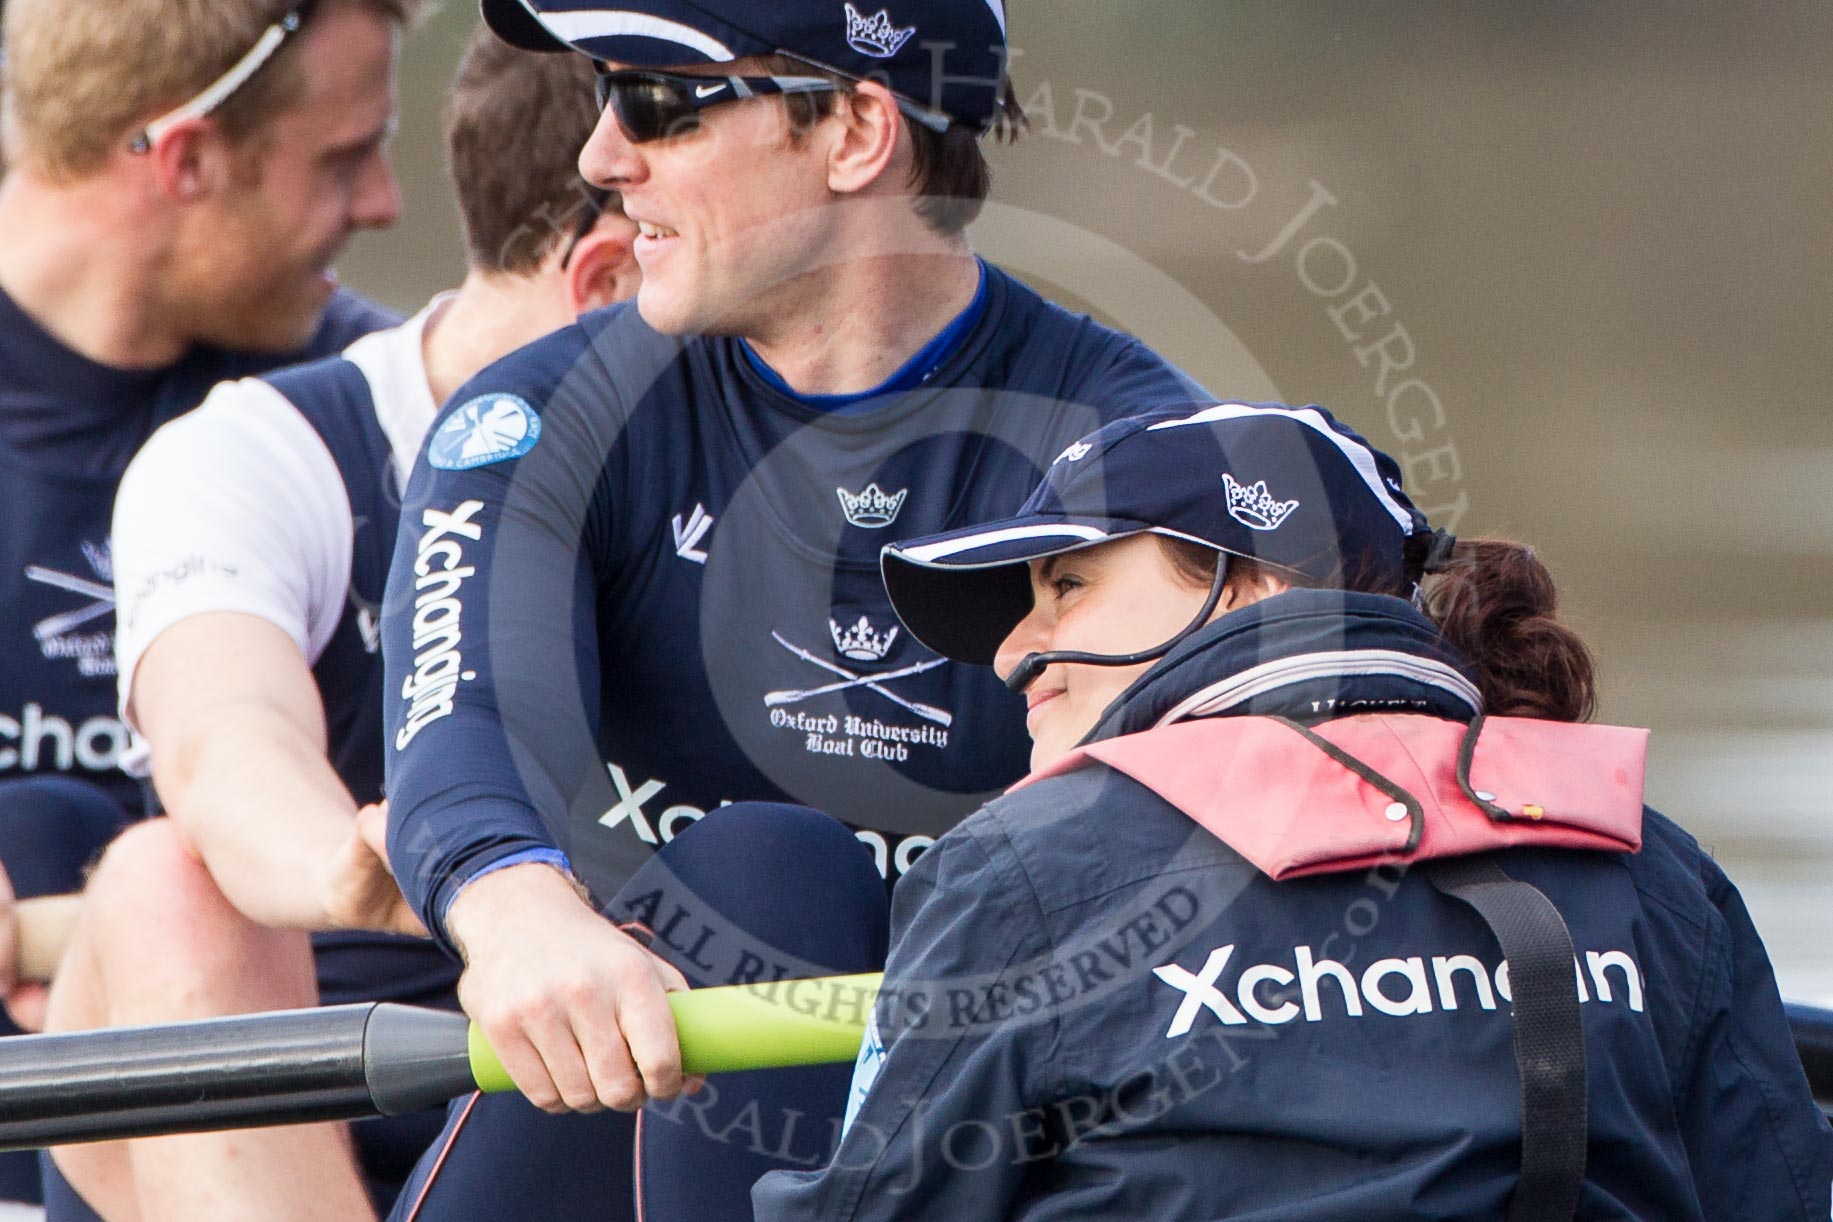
488 429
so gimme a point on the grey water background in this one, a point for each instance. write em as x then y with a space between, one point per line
1605 233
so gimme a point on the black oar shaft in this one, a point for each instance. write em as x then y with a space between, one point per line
1813 1031
334 1063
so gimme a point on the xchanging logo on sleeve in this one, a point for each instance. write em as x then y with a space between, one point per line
439 572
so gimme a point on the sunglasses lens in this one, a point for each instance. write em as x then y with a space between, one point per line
647 108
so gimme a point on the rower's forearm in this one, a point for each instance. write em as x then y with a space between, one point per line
263 809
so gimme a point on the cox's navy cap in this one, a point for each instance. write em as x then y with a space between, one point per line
1289 487
947 56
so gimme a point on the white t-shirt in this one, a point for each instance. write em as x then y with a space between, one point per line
239 506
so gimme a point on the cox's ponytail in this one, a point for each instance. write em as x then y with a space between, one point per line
1496 604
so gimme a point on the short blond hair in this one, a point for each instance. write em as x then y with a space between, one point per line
82 74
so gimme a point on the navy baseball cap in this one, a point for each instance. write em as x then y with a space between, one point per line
1290 487
947 56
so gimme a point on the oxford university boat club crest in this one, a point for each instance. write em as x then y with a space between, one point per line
839 730
57 635
875 35
862 642
871 507
1253 506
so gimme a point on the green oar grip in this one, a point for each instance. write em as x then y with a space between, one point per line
817 1021
485 1068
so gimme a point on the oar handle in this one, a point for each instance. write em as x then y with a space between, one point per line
45 926
818 1021
345 1062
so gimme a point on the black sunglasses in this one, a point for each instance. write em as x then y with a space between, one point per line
593 201
653 105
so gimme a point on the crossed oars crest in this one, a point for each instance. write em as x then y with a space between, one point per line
852 679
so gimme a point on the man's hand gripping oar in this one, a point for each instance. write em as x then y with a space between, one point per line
34 934
348 1062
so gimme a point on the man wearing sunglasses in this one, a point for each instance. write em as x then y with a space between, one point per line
251 539
652 590
176 191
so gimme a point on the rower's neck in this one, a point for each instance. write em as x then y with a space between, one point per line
858 324
490 316
91 271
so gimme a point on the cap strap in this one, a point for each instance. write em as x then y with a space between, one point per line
1438 555
1429 552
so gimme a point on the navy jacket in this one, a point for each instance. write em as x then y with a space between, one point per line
1096 1009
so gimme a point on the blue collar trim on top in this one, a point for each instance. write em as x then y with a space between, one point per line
912 374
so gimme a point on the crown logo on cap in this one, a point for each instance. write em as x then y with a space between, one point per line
871 508
861 642
874 36
1255 507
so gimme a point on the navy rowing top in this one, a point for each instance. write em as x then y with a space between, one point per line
68 427
637 579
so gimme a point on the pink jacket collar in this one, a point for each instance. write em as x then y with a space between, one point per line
1379 788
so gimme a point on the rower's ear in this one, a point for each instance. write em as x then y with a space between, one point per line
603 269
191 159
868 132
1248 584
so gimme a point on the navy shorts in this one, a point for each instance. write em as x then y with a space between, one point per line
52 829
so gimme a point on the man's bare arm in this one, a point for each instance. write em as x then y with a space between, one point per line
238 737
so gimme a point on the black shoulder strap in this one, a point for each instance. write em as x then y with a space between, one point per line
1549 1040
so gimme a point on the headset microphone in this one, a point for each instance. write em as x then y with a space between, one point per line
1029 668
1032 664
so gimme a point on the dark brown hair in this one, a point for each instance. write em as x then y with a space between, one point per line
515 123
1196 563
1496 605
948 170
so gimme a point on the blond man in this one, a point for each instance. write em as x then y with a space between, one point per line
181 174
256 677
